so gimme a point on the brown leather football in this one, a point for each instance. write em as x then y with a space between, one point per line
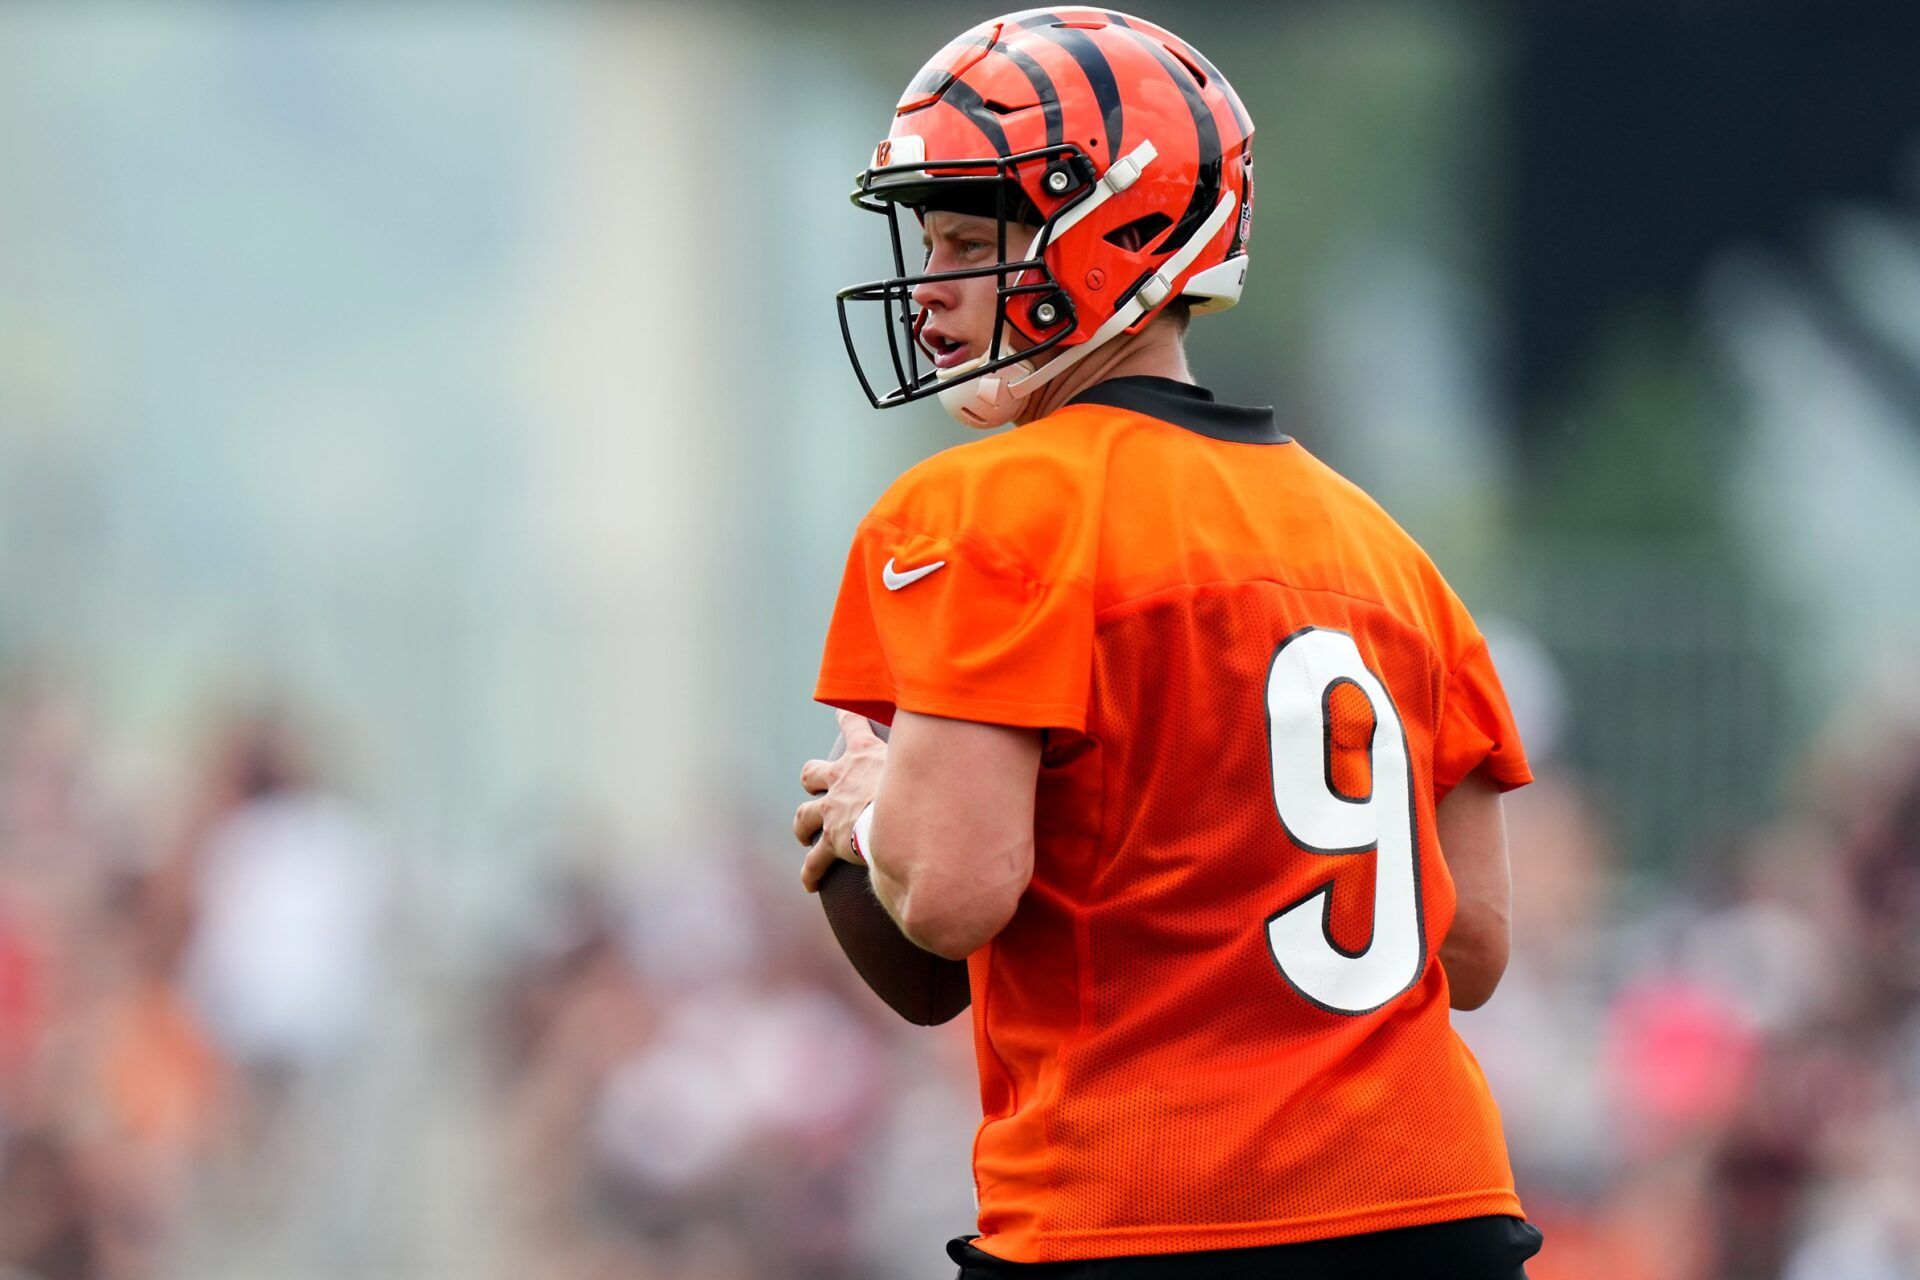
920 986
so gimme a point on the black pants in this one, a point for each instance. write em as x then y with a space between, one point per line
1492 1248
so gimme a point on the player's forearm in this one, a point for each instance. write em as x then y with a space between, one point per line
948 933
952 829
939 909
890 886
1475 956
1473 839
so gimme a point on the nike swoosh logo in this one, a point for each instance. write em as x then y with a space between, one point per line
895 581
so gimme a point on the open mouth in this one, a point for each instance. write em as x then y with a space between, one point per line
946 352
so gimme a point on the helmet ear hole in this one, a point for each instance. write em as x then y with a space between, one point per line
1139 233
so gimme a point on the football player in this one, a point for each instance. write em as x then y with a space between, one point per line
1194 757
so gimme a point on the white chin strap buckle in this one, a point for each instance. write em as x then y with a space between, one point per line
1125 171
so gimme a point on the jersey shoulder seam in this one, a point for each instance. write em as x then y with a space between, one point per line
1479 643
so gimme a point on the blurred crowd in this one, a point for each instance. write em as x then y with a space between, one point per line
176 979
1712 1075
1715 1074
695 1086
210 996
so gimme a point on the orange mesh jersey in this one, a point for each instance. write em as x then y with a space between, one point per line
1217 1019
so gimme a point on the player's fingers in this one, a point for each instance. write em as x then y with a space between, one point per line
807 821
814 868
858 730
816 776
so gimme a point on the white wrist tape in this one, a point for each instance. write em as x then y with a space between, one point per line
863 833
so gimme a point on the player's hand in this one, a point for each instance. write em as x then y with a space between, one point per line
841 789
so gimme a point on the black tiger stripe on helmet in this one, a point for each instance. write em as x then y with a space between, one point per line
1206 187
1098 71
996 122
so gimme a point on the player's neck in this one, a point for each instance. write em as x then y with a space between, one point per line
1157 351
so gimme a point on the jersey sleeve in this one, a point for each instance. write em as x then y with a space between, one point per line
1477 727
939 612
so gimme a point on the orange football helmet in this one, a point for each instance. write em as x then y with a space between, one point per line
1119 140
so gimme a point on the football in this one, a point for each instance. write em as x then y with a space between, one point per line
921 987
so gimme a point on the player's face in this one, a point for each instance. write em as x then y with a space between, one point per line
960 313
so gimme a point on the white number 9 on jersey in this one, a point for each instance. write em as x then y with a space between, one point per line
1308 668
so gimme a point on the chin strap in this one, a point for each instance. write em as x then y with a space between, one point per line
984 401
1152 292
1120 175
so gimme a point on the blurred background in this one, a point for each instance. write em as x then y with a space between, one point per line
426 458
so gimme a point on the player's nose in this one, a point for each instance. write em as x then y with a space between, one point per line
935 295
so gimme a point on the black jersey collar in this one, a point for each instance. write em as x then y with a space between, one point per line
1185 405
